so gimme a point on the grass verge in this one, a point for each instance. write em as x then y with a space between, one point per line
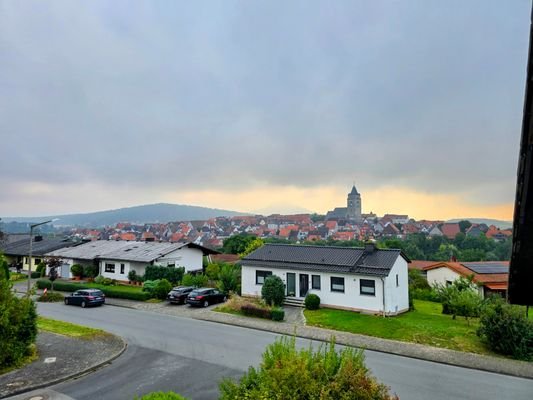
426 325
31 357
69 329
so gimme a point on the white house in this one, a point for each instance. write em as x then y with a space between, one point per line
361 279
116 259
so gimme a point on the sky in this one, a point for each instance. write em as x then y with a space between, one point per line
263 106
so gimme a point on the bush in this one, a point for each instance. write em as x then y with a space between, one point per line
15 276
110 291
424 294
4 269
417 280
161 396
132 276
77 270
257 311
278 314
36 275
273 290
289 373
161 289
312 302
198 280
99 280
506 329
212 271
149 286
50 297
157 272
41 269
90 271
18 326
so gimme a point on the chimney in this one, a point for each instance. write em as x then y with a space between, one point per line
38 238
370 248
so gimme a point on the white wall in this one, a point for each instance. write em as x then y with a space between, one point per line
397 297
441 275
351 298
190 258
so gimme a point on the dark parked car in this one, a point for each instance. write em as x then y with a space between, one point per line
86 298
179 294
205 296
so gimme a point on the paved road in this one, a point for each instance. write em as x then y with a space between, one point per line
190 357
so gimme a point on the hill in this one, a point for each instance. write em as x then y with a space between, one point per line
496 222
162 213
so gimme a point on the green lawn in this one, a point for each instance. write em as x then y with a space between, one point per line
426 325
68 329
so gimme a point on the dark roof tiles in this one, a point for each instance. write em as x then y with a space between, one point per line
324 258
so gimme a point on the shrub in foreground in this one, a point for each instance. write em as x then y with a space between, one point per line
77 270
289 373
18 326
278 314
198 280
312 302
256 311
273 290
506 329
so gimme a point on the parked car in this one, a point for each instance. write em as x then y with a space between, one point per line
178 295
86 298
203 297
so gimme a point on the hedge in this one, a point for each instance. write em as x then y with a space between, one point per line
278 314
109 291
250 309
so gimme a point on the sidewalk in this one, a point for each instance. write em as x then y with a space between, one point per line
61 358
294 324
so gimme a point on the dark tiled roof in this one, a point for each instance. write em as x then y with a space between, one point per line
39 248
324 258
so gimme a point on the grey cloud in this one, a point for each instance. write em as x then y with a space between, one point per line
426 94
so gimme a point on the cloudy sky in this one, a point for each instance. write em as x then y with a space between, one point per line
270 106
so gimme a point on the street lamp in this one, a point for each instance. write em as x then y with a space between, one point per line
31 245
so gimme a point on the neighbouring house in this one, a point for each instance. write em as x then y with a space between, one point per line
115 259
365 279
18 253
450 229
435 231
490 276
420 265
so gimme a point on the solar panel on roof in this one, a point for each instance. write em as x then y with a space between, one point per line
486 268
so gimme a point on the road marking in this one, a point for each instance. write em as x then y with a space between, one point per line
49 360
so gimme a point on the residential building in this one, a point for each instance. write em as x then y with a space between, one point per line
365 279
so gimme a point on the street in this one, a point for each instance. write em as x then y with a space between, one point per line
191 357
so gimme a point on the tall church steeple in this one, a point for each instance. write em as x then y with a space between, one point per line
354 205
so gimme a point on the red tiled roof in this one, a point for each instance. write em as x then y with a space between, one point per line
450 230
420 264
128 236
226 258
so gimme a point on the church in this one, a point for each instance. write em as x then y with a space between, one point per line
353 210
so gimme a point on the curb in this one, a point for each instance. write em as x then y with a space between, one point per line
73 376
521 369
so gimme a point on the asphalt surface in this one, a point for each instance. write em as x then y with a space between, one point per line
191 356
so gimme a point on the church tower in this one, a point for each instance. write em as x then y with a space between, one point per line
354 205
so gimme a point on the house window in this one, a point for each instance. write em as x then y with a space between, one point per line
122 269
37 261
110 268
337 284
368 287
315 282
260 276
397 282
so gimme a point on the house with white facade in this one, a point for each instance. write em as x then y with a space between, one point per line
491 277
365 279
116 259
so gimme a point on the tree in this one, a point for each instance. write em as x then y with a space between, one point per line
252 246
4 268
273 291
464 225
53 263
18 325
236 244
229 278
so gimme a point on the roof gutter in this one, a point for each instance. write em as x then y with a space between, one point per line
383 290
